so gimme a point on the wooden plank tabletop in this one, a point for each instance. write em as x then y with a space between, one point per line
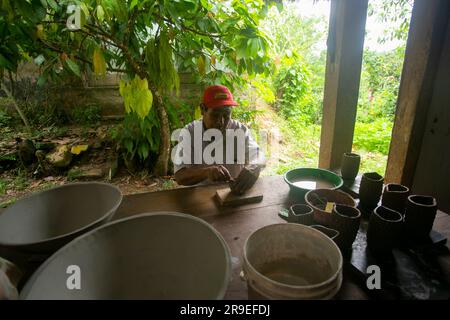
237 223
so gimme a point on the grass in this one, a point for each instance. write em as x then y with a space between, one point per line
8 202
300 144
372 161
21 181
73 174
3 184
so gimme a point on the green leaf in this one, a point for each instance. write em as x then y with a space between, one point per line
98 62
5 63
197 113
137 96
84 8
41 80
133 4
205 4
143 150
73 67
128 145
100 13
53 4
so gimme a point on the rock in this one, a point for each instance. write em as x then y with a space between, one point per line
60 158
26 150
85 173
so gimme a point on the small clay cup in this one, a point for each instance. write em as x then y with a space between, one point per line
346 220
395 196
329 232
370 189
419 217
384 231
350 165
301 213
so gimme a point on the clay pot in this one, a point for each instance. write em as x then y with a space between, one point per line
350 166
330 233
419 216
385 227
301 213
370 189
395 196
317 199
346 220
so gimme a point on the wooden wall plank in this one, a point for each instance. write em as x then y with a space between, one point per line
423 49
343 72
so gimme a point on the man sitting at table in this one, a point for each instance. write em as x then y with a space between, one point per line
217 148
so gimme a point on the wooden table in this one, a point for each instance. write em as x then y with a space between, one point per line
237 223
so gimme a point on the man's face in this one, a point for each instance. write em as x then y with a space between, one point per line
217 118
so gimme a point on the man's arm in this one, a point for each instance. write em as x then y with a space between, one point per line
197 173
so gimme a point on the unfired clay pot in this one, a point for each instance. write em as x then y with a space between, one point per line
350 166
370 189
395 196
419 216
385 227
346 220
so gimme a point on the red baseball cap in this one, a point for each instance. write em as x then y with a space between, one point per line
218 96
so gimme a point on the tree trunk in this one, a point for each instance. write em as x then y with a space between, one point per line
162 164
19 111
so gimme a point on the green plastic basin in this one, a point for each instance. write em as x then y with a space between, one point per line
302 180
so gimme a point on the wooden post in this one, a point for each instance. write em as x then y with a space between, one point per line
343 73
423 49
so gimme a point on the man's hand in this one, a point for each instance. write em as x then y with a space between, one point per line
246 179
218 173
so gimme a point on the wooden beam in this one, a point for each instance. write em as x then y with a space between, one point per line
343 72
423 48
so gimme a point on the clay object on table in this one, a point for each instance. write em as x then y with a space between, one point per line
291 261
320 198
346 220
395 196
301 213
370 189
384 230
329 232
227 198
419 216
350 165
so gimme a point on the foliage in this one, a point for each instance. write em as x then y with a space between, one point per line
88 115
5 118
375 136
3 186
380 84
293 86
300 67
139 137
292 32
396 13
44 115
